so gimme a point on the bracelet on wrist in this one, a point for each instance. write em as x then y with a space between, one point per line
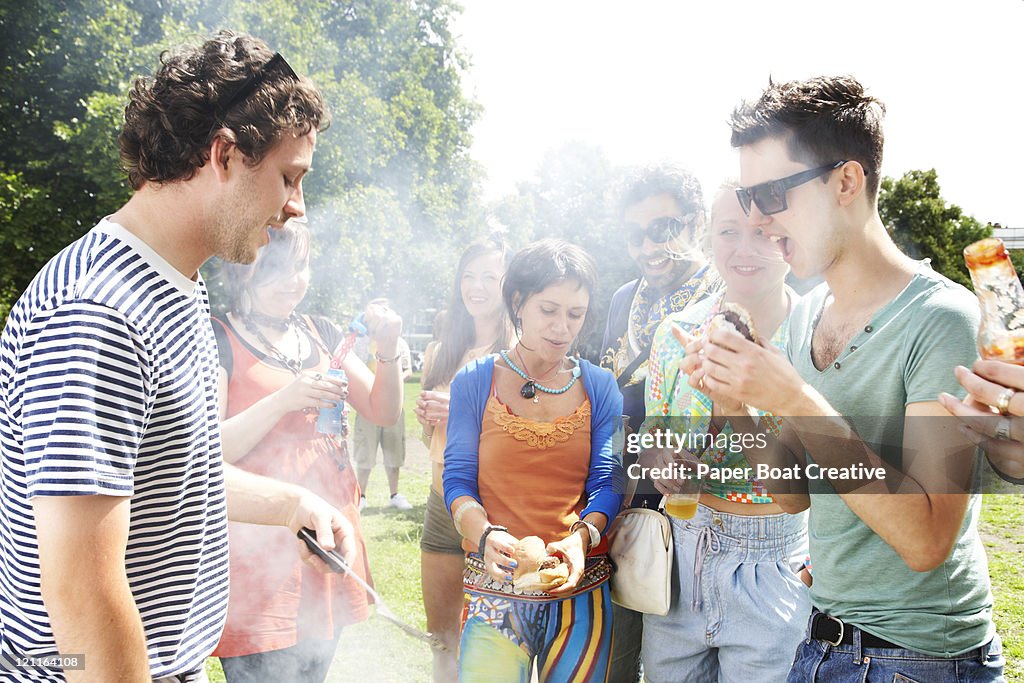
384 360
593 535
486 533
462 509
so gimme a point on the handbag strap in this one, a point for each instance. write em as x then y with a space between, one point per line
625 375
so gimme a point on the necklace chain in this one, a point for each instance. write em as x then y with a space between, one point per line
294 321
526 369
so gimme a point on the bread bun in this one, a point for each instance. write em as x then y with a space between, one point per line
535 569
528 553
736 317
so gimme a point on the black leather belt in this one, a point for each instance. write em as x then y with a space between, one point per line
835 632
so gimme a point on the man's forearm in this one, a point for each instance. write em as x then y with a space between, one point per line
917 509
85 589
100 621
258 500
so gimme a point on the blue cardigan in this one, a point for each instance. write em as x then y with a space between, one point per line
469 393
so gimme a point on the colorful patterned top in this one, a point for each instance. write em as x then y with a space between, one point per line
669 395
647 309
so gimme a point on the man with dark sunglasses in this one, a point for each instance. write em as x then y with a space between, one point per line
113 546
663 220
900 582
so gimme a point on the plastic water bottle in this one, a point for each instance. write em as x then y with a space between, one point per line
329 420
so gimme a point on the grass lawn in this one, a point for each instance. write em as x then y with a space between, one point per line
376 652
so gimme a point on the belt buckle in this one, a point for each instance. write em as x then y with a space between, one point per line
842 629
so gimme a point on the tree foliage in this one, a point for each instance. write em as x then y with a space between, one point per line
923 225
392 180
574 195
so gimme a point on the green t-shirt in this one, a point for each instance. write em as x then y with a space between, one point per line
906 354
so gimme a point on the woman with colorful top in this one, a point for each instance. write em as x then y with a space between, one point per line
284 618
740 607
474 326
530 453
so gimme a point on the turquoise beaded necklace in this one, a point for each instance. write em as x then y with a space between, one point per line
531 387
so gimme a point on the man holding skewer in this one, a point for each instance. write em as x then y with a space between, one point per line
115 496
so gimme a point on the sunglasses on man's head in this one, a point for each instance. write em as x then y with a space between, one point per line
254 81
660 230
770 197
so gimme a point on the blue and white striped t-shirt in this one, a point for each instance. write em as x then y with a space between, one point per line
109 371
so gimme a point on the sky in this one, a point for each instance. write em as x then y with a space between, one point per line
656 81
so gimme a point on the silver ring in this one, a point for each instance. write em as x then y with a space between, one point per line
1003 429
317 377
1003 402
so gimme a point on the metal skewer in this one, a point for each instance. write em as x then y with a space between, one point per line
338 565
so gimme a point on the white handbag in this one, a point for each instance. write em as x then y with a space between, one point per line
640 548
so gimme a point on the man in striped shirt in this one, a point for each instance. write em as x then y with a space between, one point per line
115 499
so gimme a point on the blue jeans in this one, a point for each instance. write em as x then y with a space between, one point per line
308 661
818 661
738 609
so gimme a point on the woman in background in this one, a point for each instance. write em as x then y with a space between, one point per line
284 618
474 326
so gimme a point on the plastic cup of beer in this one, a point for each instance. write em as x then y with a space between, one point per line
683 503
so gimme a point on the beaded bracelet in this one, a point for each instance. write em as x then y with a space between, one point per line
382 359
462 509
486 533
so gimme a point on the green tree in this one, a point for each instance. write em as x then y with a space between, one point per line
58 61
393 185
574 195
924 225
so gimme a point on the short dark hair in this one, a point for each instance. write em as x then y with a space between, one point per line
285 254
822 120
651 181
172 118
542 264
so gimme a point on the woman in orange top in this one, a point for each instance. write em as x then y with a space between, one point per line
530 453
283 617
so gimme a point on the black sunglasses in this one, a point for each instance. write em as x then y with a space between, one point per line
770 197
660 230
254 81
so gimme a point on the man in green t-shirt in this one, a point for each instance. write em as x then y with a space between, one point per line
900 578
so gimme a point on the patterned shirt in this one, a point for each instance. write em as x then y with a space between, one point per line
672 404
109 368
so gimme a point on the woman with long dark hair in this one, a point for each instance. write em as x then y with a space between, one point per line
474 325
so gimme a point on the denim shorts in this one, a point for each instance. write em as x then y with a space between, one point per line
738 609
817 660
439 534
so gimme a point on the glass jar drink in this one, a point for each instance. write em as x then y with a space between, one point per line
1001 332
683 503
